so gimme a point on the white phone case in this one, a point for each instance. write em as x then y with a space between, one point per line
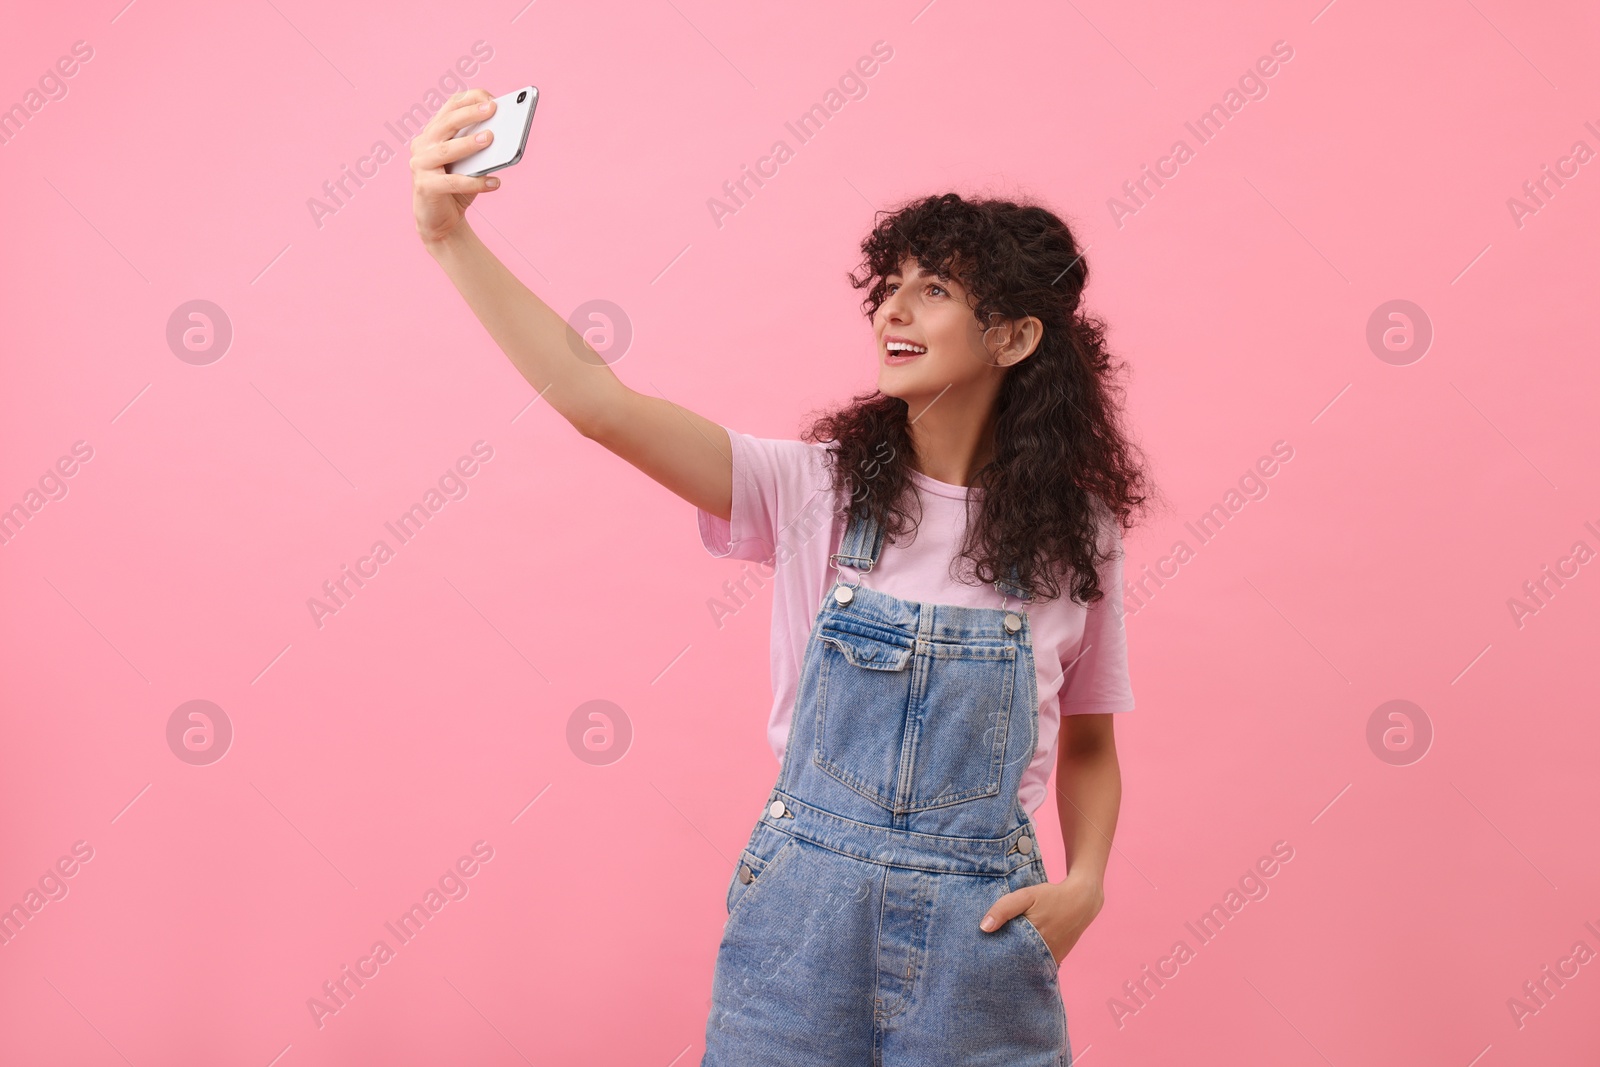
509 124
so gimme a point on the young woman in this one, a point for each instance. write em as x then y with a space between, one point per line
891 905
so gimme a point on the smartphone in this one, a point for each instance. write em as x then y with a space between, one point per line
513 114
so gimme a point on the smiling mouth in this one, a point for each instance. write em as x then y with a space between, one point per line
898 352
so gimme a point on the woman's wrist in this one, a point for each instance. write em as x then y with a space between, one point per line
1087 873
457 237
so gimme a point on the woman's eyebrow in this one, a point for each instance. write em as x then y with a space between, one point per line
938 275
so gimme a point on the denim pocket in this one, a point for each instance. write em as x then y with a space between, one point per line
1042 946
767 849
1034 874
870 694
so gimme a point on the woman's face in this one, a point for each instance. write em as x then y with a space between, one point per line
933 313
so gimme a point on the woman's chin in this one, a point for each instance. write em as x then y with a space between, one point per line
908 387
893 381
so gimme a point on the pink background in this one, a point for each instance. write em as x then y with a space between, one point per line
434 708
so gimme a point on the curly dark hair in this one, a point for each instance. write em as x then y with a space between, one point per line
1062 466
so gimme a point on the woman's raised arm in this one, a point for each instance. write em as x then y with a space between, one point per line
685 452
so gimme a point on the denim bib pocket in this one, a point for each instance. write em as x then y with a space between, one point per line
955 700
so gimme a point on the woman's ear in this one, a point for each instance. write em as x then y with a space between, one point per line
1014 340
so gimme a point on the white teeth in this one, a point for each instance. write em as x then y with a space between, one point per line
902 346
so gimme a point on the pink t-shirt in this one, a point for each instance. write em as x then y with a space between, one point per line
783 517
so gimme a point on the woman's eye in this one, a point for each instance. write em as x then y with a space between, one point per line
890 287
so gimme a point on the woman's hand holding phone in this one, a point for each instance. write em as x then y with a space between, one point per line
439 199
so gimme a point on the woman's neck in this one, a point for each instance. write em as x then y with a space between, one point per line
953 451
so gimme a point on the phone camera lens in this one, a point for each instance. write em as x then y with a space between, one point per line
522 96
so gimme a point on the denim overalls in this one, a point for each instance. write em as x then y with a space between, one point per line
852 936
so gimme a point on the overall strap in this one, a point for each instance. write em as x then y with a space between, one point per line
861 544
1012 587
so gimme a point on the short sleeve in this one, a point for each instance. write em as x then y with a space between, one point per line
1097 679
774 481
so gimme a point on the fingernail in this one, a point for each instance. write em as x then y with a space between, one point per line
483 107
481 138
493 183
988 922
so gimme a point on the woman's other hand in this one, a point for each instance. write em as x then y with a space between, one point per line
1060 911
